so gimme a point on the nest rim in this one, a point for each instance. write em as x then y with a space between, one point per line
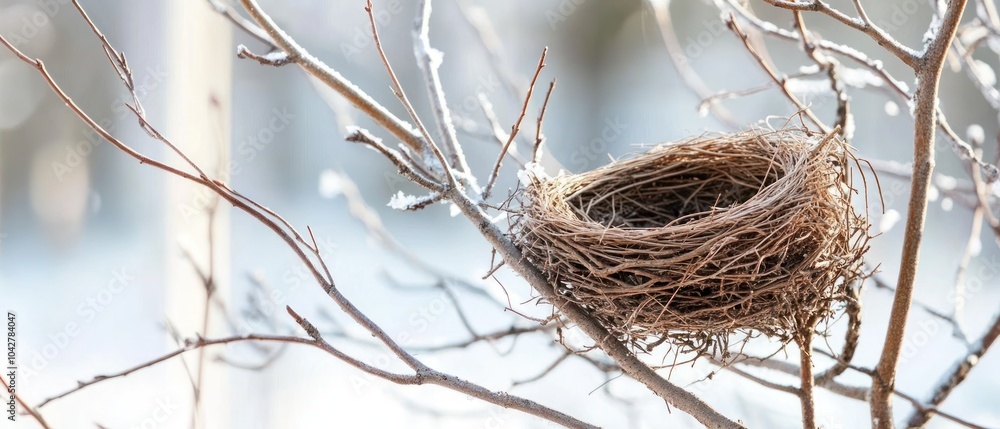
679 281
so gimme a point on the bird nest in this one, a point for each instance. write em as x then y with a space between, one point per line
749 233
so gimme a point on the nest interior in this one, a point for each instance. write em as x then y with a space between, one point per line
694 241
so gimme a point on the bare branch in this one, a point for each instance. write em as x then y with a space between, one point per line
31 411
928 71
333 79
804 340
539 137
847 391
761 381
851 338
429 376
960 370
516 128
781 81
430 146
629 363
406 168
490 337
958 146
499 135
691 78
429 59
956 375
242 23
832 68
905 54
276 58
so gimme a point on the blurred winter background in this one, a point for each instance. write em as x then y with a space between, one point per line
90 241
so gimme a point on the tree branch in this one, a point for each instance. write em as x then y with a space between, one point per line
928 71
428 59
27 408
515 128
616 350
335 80
629 363
905 54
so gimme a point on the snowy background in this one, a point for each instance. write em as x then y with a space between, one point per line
65 243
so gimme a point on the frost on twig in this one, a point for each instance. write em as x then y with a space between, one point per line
273 58
401 201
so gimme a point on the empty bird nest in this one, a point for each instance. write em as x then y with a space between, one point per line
692 242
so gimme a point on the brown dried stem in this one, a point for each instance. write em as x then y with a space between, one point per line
515 128
905 54
956 375
423 373
335 80
692 79
928 70
781 81
430 146
27 408
847 391
629 363
539 137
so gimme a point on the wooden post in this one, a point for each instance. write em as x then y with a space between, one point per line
200 60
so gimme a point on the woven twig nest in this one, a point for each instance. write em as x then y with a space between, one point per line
694 241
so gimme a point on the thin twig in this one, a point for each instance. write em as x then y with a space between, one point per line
851 339
956 375
27 408
401 94
539 137
499 135
781 81
242 23
428 59
682 64
847 391
832 68
514 129
334 80
548 370
905 54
